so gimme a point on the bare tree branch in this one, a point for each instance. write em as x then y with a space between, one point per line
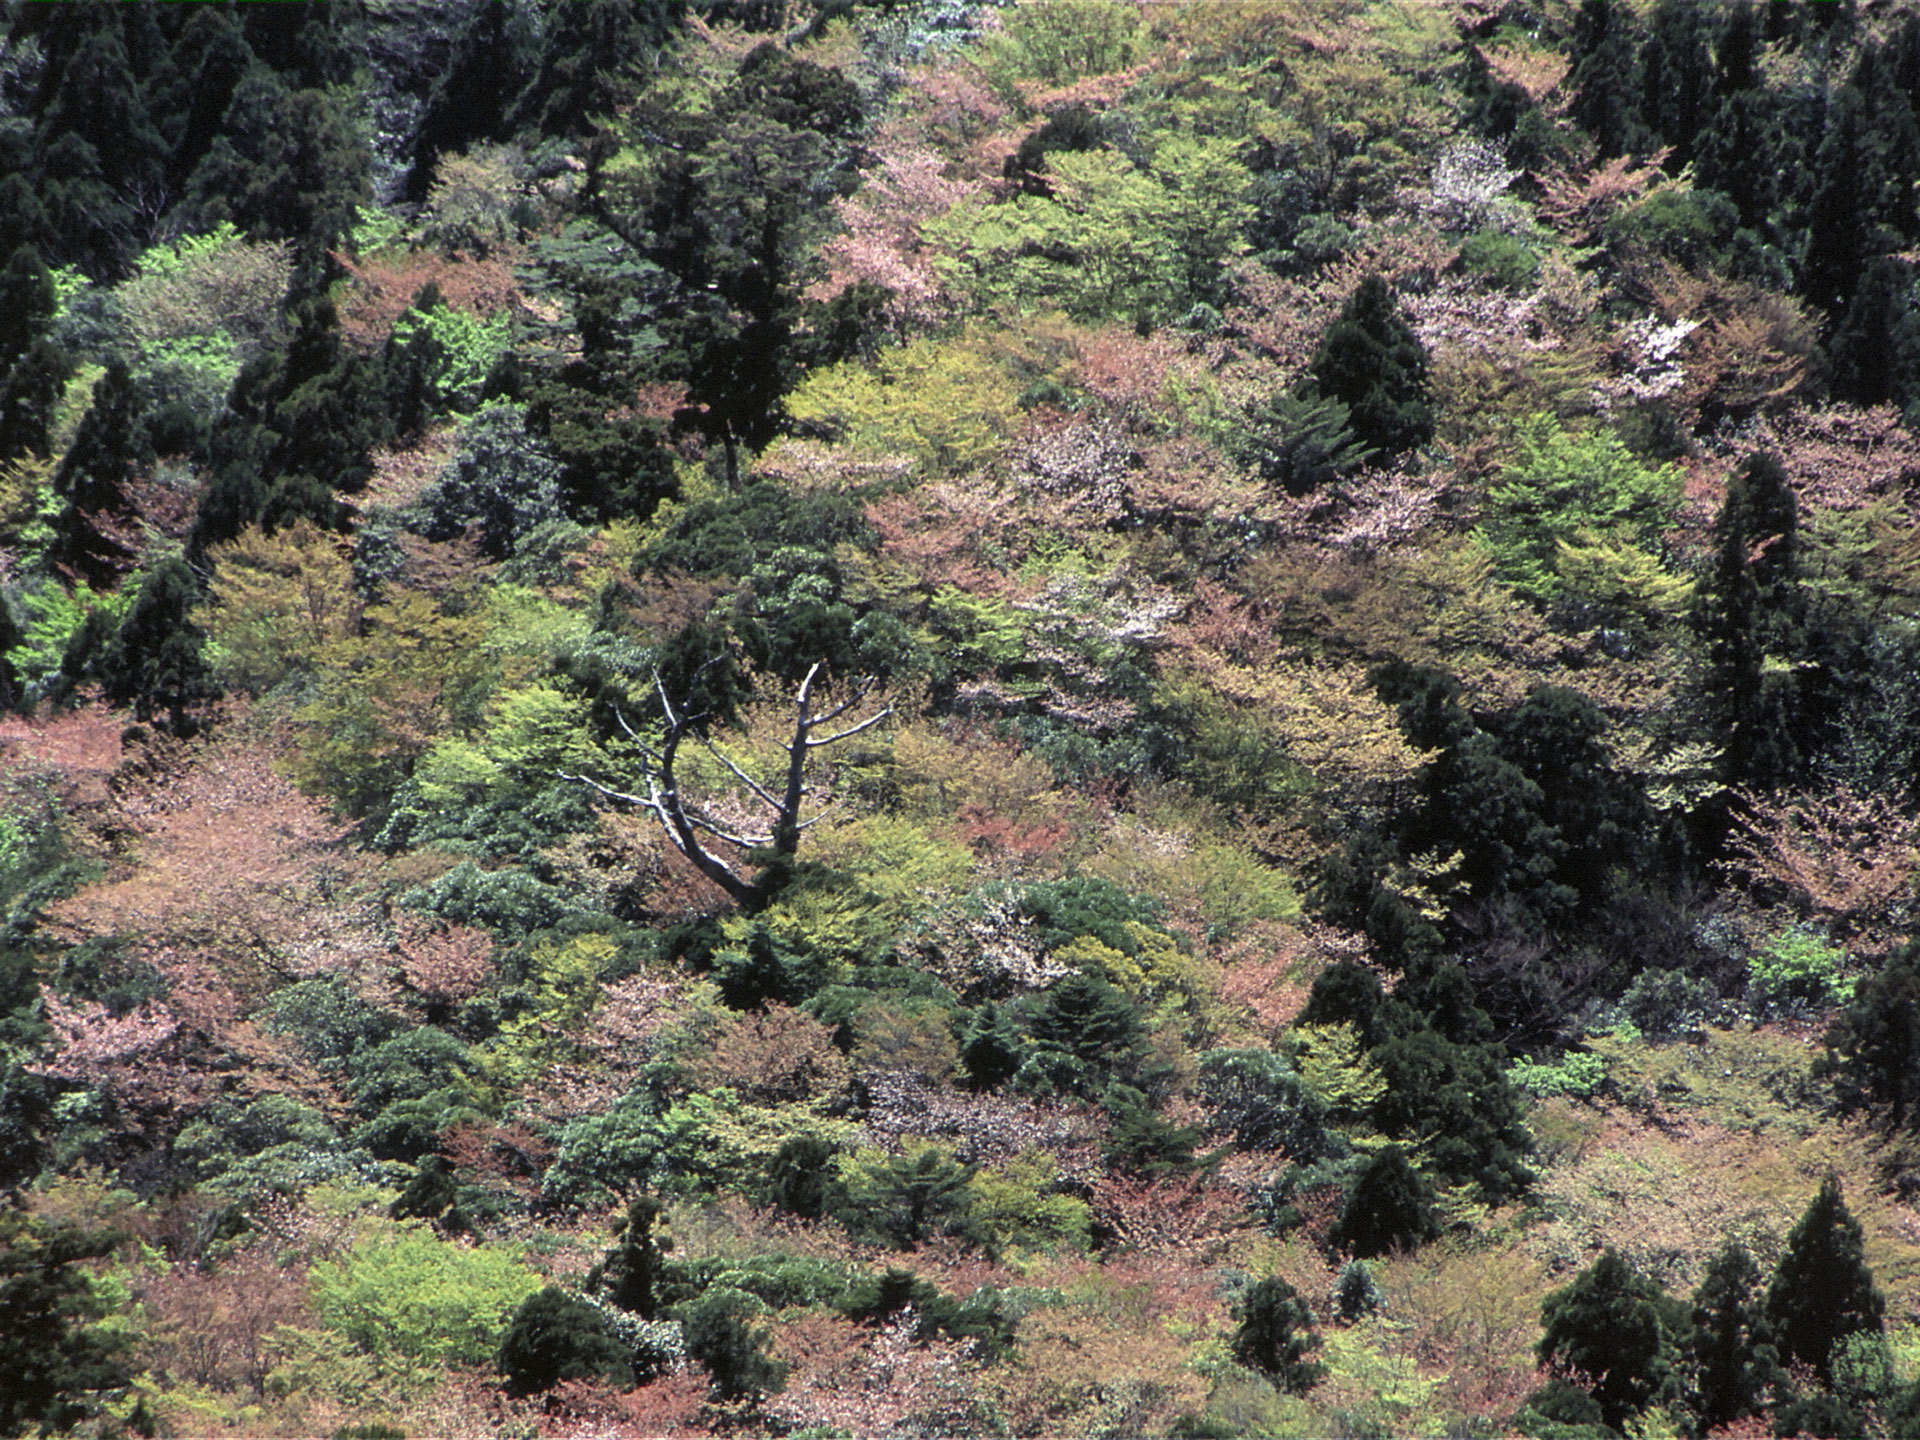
684 826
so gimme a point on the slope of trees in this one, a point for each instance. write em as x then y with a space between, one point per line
1013 719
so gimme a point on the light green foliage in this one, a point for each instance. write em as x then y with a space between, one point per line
53 614
976 633
563 982
1138 243
1583 488
1059 41
1799 967
902 866
403 1295
948 404
1334 1066
1752 1080
458 347
200 307
698 1144
1020 1206
373 229
530 735
1576 1074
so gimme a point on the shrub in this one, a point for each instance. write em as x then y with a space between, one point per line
401 1294
1576 1074
1023 1205
501 481
1258 1096
1663 1003
1503 261
719 1332
1355 1293
555 1336
804 1179
905 1199
1798 970
328 1019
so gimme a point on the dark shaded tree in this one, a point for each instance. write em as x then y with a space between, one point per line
1605 1329
719 1332
55 1361
1874 1047
1275 1335
156 662
1748 613
1731 1365
1371 362
1873 357
1389 1208
1604 80
1822 1290
554 1336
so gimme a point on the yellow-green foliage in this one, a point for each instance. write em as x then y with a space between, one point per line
417 674
1019 1206
1372 1378
530 735
948 404
1331 1062
902 865
564 979
1156 968
1114 241
1754 1080
1057 41
276 602
1224 885
401 1294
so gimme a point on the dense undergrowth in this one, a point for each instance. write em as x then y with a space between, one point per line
1066 718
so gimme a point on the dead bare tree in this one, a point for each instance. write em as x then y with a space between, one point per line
688 827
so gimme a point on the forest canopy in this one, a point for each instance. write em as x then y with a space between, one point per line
893 717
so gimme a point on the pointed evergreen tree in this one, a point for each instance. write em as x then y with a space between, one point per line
1835 250
1732 154
1605 80
1606 1328
1748 615
1275 1335
630 1272
1737 49
28 397
1730 1355
1085 1032
1822 1289
156 661
1874 355
1676 78
27 304
1875 1046
1371 361
1389 1208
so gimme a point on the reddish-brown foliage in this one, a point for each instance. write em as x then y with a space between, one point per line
1190 1217
211 1326
1843 860
773 1056
672 1405
383 286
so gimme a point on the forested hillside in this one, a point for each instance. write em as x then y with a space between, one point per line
897 717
